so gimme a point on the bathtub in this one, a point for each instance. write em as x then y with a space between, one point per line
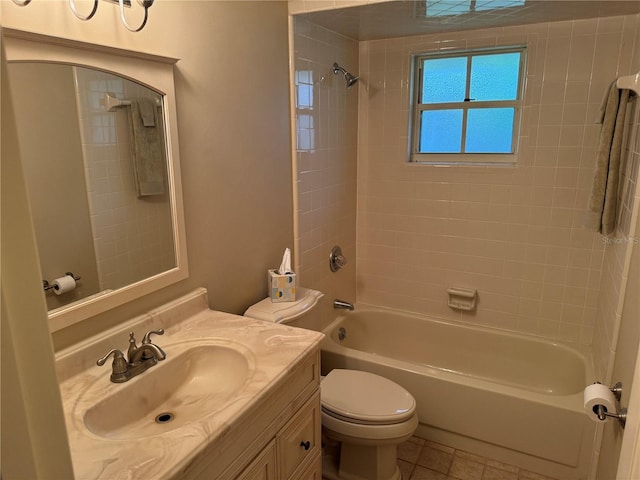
510 397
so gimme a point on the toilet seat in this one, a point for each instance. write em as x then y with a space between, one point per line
364 398
360 433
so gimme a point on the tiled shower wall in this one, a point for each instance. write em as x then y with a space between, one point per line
617 255
326 119
133 236
513 233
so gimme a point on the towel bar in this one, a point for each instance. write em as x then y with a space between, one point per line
631 82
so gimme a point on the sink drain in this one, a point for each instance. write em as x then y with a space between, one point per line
165 417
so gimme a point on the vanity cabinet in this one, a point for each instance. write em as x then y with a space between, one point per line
299 440
263 467
277 439
295 451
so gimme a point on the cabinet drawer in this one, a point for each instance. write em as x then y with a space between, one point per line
299 440
263 467
313 472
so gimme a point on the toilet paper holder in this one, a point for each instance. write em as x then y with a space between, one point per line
48 286
621 415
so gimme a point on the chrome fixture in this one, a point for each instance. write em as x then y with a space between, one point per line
143 3
48 286
601 410
342 333
146 4
336 259
351 79
140 358
72 4
342 305
602 413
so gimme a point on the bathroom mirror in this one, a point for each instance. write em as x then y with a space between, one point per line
98 143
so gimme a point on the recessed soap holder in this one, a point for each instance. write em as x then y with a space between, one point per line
462 298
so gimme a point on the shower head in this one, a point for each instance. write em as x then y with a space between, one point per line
350 79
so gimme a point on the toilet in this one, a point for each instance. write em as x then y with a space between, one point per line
367 414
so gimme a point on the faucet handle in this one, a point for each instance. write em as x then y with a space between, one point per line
119 364
147 336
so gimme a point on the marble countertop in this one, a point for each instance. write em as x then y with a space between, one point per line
273 350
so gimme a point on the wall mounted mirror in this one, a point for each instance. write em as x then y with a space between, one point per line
98 142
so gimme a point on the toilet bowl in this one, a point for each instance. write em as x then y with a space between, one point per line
367 414
370 416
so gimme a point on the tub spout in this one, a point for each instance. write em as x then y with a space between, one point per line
341 304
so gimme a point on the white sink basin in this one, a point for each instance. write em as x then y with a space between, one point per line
196 382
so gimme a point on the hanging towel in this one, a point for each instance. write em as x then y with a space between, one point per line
604 192
147 109
147 149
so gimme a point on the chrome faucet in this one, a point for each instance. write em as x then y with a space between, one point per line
140 358
341 304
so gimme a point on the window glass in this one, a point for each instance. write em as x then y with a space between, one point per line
444 80
495 77
489 130
466 104
441 132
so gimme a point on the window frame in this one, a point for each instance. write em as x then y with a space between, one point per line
416 108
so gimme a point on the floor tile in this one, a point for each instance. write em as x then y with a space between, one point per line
421 473
492 473
470 456
502 466
409 451
420 459
406 468
435 459
464 469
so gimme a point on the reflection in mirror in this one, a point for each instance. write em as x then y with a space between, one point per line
98 138
93 149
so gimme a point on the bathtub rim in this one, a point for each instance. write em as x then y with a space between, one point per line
571 401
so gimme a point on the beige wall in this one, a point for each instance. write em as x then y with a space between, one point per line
326 119
33 443
54 172
514 233
232 96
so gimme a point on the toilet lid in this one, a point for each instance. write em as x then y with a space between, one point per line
365 397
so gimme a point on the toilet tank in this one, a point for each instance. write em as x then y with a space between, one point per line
304 312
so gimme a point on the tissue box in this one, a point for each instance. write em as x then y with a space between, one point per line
282 288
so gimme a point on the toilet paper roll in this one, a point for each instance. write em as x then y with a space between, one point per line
63 284
595 395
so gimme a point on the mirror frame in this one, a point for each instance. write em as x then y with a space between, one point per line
152 71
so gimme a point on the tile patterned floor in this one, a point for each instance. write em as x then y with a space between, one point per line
423 460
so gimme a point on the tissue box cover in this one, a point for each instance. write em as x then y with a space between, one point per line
282 288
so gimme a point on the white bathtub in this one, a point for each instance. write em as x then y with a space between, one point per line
510 397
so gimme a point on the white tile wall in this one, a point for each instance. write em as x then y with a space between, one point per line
326 122
617 254
514 233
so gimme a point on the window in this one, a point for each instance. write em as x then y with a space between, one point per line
466 106
440 8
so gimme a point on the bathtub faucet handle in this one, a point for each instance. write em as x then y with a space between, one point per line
341 304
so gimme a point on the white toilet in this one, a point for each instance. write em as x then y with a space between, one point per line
368 414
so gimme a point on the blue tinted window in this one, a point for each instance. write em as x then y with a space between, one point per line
497 4
444 80
481 93
489 130
495 77
435 8
439 8
441 131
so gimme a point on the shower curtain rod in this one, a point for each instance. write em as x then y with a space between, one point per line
631 82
